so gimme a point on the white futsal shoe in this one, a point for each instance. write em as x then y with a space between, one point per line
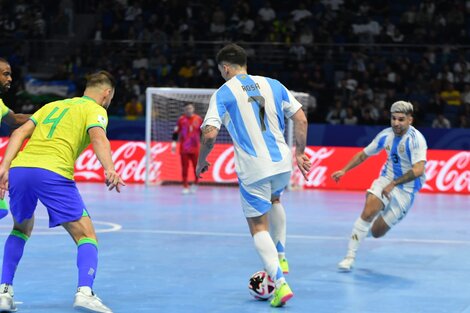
7 304
87 301
185 191
346 264
193 188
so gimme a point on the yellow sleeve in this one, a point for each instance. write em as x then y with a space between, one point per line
3 108
37 116
96 117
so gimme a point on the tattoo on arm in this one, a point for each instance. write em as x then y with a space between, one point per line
407 177
208 129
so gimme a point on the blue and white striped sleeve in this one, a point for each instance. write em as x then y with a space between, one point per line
418 147
290 105
214 115
377 145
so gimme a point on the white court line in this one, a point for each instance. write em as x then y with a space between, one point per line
331 238
113 227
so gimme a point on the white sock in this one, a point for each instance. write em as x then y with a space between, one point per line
359 232
268 254
277 221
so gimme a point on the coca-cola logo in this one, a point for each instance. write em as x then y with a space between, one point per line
224 167
449 175
317 175
129 160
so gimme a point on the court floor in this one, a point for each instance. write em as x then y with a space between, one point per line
161 251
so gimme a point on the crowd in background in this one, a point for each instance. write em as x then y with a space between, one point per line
355 57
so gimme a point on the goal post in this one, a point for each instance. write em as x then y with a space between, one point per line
163 108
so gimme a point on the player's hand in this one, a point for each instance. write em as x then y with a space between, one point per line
337 175
202 167
388 190
173 147
113 180
303 163
3 181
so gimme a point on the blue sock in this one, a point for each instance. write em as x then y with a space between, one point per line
3 208
13 251
87 261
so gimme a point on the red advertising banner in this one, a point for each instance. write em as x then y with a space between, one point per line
447 171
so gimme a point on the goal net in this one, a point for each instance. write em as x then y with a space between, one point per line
163 108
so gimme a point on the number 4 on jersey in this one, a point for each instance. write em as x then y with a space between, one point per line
54 120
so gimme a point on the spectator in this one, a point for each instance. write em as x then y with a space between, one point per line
133 108
66 6
451 96
440 121
186 72
301 13
140 61
267 13
350 118
336 114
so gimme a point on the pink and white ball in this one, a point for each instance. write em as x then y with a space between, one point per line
261 286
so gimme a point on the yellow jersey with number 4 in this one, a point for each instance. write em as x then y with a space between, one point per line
61 134
3 110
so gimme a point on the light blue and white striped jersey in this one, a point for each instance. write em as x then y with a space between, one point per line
253 108
402 153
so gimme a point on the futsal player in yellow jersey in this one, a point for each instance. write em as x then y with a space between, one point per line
44 170
7 116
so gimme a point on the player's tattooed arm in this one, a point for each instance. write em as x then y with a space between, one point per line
209 134
416 171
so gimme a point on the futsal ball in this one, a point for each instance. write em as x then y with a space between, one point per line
261 286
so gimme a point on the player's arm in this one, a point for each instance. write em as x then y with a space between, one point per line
209 135
14 145
15 120
416 171
102 150
300 134
174 138
355 161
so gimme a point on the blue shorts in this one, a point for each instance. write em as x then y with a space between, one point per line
59 195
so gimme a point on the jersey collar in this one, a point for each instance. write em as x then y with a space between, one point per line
88 98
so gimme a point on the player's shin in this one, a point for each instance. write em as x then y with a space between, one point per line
359 232
13 251
267 251
277 221
87 261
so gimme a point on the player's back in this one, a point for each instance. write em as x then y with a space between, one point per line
61 134
253 109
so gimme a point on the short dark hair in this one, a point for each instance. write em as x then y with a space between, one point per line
232 54
100 78
2 60
188 103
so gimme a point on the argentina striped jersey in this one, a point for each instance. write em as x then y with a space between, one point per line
402 153
253 109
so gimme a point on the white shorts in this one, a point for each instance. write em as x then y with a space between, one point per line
397 207
256 197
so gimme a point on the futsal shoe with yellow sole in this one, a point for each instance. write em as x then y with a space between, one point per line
281 295
284 265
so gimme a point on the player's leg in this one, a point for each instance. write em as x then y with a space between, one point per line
400 203
193 158
12 254
22 182
184 172
66 207
374 204
256 205
277 218
84 236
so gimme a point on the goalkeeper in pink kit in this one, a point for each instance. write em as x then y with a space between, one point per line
188 131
